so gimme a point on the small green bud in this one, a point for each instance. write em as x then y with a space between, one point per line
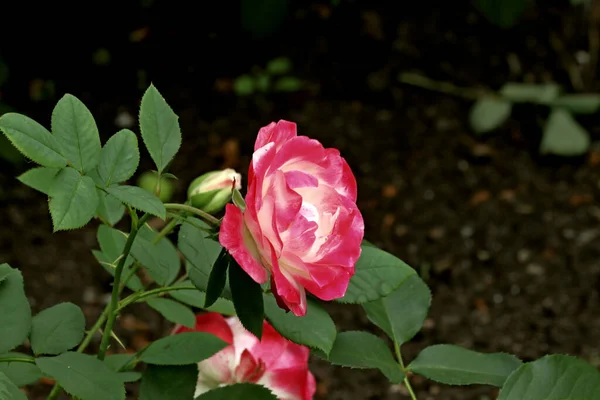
211 191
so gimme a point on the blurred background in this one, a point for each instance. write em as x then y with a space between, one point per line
496 205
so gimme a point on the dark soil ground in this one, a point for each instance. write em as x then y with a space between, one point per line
506 239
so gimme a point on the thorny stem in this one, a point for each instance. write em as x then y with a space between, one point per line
406 381
151 293
202 214
166 230
101 319
114 300
442 87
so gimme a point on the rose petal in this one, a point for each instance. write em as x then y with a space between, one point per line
210 322
236 238
249 369
277 133
290 384
288 289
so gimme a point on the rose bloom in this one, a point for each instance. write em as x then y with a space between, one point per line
301 224
273 362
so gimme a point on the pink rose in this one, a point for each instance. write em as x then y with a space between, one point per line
273 362
301 224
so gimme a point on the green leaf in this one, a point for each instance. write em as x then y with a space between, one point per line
503 13
238 391
134 283
543 93
73 200
19 373
139 198
200 251
112 242
378 274
553 377
402 313
5 271
288 84
74 128
161 259
197 298
279 66
57 329
316 329
119 158
455 365
110 209
14 311
183 348
33 140
39 178
175 382
173 311
488 114
247 299
244 85
563 136
356 349
117 361
8 390
160 128
83 376
238 200
581 103
217 278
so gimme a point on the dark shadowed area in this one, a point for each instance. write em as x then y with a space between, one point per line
506 238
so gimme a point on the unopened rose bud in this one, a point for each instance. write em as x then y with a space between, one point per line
211 191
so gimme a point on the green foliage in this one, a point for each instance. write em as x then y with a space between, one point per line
247 299
57 329
217 278
160 259
160 128
504 13
20 373
279 66
260 80
197 298
455 365
563 135
110 210
139 198
173 311
8 390
15 312
199 250
554 377
288 84
316 329
238 391
173 382
263 17
73 200
39 178
33 140
356 349
119 158
118 362
149 179
83 376
112 243
543 93
402 313
181 349
378 274
75 129
581 103
488 114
